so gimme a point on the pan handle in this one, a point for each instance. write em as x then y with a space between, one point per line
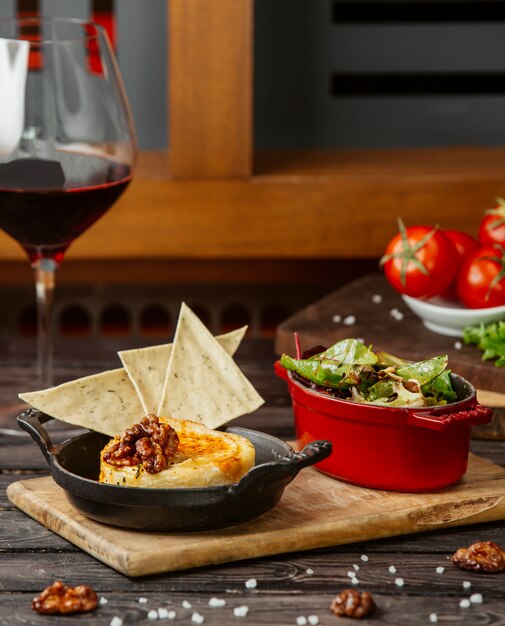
477 414
276 470
31 420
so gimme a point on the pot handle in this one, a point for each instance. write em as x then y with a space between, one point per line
312 453
478 414
281 371
31 421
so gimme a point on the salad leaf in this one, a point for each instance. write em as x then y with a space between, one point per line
323 372
389 360
490 338
350 352
440 388
423 371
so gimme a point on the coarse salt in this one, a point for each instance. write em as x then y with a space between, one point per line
465 603
350 320
476 598
458 345
467 584
171 615
197 618
392 569
142 600
116 621
396 314
163 613
186 604
399 582
251 583
433 618
216 602
356 567
103 600
301 620
309 571
337 318
364 557
440 570
240 611
351 574
354 581
377 298
313 620
152 614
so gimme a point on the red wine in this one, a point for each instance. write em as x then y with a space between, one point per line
45 205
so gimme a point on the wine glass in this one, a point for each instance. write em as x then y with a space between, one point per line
67 145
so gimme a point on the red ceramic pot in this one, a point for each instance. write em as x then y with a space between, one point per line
394 448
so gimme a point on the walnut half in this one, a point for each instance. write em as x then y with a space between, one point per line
482 556
352 603
62 599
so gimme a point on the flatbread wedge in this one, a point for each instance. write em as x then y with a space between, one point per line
147 367
203 382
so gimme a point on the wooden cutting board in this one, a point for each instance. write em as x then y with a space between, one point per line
407 338
315 511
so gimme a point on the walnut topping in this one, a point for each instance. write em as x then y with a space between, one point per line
483 556
150 443
352 603
63 599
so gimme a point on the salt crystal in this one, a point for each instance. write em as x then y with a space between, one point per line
116 621
309 571
392 569
396 314
251 583
351 574
350 320
440 570
458 345
354 581
103 600
163 613
465 603
152 615
377 298
467 584
356 567
186 604
399 582
142 600
197 618
476 598
240 611
313 620
433 618
301 621
171 615
337 318
216 602
364 557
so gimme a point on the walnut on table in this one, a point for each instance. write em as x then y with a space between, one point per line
482 556
63 599
352 603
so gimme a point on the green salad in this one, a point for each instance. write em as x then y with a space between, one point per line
351 370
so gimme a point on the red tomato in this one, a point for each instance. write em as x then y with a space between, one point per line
420 261
464 244
492 226
481 280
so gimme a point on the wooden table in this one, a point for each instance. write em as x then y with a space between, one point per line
288 587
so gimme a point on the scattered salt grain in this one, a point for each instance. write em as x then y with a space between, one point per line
216 602
440 570
152 614
396 314
465 603
392 569
163 613
376 298
351 574
142 600
458 345
251 583
433 618
354 581
356 567
467 584
313 620
476 598
399 582
301 621
186 604
364 557
240 611
116 621
309 571
103 600
171 615
350 320
196 618
337 318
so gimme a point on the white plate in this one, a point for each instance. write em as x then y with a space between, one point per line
447 317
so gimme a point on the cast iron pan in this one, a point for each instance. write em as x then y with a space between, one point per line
75 466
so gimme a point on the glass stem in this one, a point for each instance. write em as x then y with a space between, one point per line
44 270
